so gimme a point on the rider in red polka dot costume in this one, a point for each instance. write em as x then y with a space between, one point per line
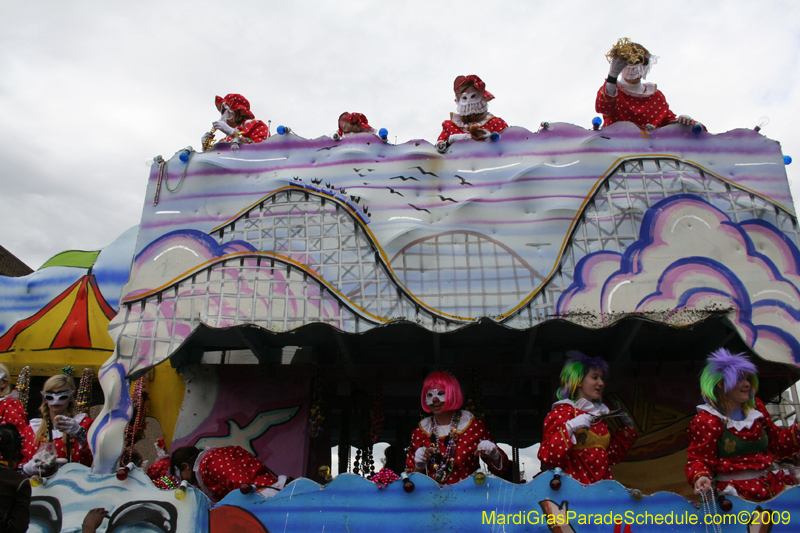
218 471
448 444
473 120
237 121
732 439
625 97
576 437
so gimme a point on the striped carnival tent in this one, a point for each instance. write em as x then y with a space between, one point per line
72 329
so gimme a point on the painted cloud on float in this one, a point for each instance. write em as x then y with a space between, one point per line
691 255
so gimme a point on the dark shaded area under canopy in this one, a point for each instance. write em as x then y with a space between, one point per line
518 369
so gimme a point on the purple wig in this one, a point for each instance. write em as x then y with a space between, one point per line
732 367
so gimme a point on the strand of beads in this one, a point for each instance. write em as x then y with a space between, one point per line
68 371
316 418
384 477
443 463
84 397
136 425
368 461
166 483
357 463
24 386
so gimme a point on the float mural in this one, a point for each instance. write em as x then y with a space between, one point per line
134 503
357 233
563 224
496 505
270 424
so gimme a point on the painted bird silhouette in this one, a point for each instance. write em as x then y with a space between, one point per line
463 181
445 199
420 208
395 192
404 178
244 436
424 172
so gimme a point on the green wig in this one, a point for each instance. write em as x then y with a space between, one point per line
575 369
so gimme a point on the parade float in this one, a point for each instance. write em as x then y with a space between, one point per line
290 296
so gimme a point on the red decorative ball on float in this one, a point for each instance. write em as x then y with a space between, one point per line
246 488
725 504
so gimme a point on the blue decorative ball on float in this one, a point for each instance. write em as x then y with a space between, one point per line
697 128
283 130
383 133
494 136
596 123
787 160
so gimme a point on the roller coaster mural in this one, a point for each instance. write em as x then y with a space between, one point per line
562 224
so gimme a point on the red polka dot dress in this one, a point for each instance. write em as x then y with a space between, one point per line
470 432
252 131
12 412
589 459
649 108
79 450
159 468
223 470
740 453
455 126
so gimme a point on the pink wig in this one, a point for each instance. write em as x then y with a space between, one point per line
453 398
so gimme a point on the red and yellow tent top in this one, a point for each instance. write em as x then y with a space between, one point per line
70 330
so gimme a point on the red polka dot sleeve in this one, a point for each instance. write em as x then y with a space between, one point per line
448 128
622 441
12 412
704 434
556 443
255 130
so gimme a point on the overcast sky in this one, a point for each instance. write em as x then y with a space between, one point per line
90 90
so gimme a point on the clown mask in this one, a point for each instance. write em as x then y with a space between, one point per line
471 102
57 398
435 394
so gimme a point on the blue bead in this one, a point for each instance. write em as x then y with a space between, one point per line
787 160
697 128
281 130
596 121
494 136
184 156
383 132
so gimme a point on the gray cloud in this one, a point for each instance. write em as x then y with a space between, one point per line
90 92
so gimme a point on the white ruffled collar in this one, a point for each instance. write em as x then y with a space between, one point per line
640 89
441 431
592 408
12 395
738 425
35 423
